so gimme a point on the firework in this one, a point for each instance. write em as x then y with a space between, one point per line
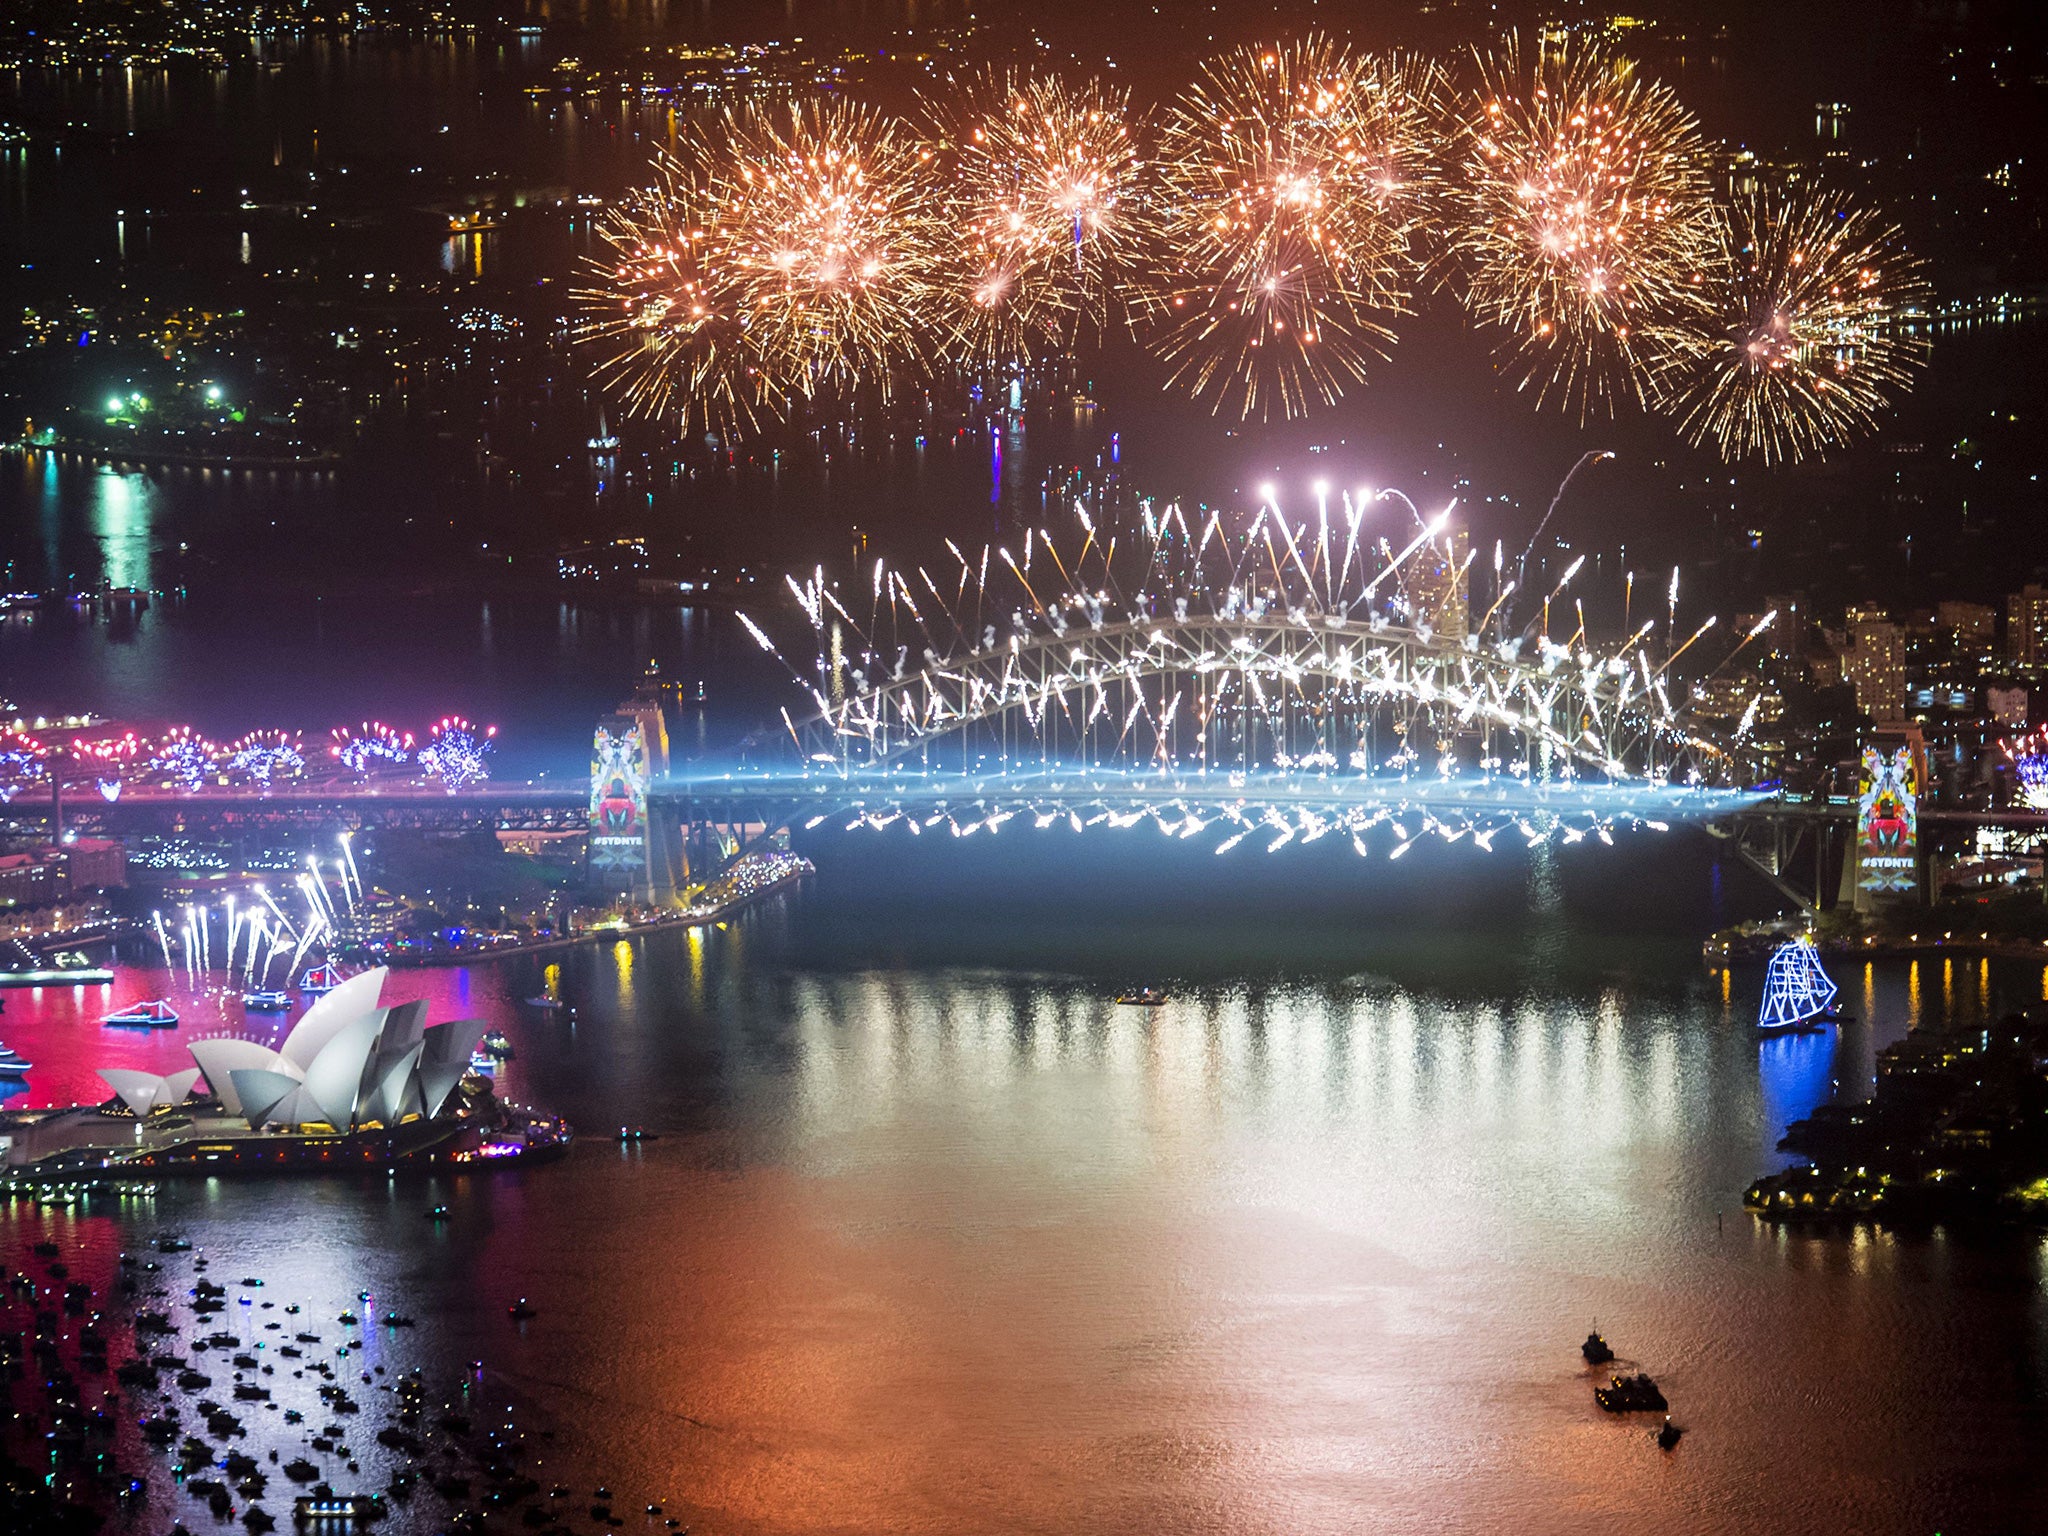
1042 208
1805 342
820 224
24 764
2029 758
1286 205
669 320
366 748
1585 220
263 758
184 758
1287 244
456 752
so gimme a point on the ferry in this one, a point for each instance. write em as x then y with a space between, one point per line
11 1064
266 1002
1799 996
152 1015
324 977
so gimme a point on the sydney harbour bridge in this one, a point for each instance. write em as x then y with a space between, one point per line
1277 684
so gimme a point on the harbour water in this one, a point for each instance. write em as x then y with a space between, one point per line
932 1236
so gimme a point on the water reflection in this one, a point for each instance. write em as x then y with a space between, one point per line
941 1246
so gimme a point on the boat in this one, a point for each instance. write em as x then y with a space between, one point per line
266 1002
1596 1349
1631 1394
542 1000
323 977
496 1044
1798 994
482 1061
1667 1437
1143 997
519 1311
152 1015
11 1063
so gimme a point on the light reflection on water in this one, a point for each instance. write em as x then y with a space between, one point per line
939 1247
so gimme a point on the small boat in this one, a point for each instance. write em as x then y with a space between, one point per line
542 1000
519 1311
12 1064
1667 1437
438 1213
497 1044
482 1061
266 1002
320 978
1631 1394
629 1133
1144 997
152 1015
1799 996
1596 1349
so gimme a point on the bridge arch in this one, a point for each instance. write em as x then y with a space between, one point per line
1261 691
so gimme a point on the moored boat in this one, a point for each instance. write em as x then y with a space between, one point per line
157 1014
323 977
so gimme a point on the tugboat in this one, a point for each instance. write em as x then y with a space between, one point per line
152 1015
1596 1349
1143 997
1798 995
266 1002
12 1064
324 977
1631 1394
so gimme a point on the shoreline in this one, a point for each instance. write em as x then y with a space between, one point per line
604 932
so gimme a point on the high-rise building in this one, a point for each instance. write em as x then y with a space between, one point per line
2026 626
1874 664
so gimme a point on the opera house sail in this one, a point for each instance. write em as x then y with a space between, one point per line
357 1083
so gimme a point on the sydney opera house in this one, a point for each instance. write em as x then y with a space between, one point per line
355 1084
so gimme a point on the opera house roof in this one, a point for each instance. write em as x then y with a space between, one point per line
348 1063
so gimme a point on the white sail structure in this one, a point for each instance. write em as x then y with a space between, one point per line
145 1092
348 1063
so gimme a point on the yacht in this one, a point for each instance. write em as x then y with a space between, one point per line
266 1002
324 977
11 1064
151 1015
